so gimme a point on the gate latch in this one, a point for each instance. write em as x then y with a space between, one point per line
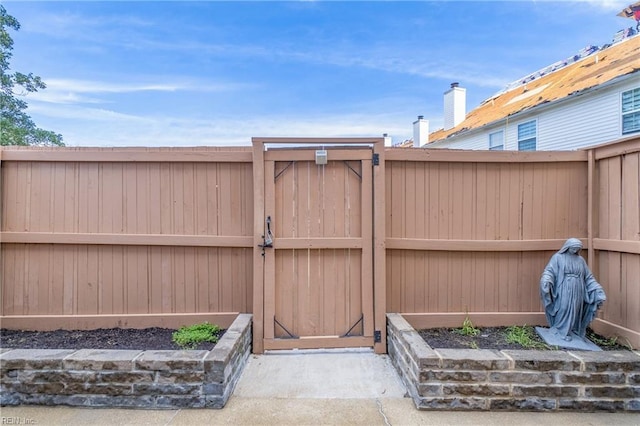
268 238
377 336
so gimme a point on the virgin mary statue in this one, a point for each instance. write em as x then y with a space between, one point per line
570 294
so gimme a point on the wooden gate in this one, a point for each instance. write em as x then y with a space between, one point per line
317 248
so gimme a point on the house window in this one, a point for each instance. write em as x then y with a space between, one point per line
631 111
527 136
496 141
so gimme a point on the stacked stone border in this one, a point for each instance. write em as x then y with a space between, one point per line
127 378
480 379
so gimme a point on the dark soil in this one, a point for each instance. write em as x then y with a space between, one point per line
495 338
161 339
104 338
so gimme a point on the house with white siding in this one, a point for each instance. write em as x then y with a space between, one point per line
584 100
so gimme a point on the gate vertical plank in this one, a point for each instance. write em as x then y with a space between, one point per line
338 221
258 264
303 257
367 249
270 254
285 225
350 279
328 176
314 325
354 307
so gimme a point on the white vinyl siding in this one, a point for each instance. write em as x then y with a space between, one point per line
527 135
588 120
476 141
631 111
496 141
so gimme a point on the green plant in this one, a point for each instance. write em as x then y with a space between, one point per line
189 337
474 345
524 336
467 328
602 341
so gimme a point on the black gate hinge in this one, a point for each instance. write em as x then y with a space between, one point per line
376 159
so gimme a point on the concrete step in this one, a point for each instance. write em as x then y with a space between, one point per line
350 374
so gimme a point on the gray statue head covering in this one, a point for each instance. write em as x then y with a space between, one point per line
571 242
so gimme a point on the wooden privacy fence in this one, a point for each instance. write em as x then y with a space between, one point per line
128 237
140 237
471 232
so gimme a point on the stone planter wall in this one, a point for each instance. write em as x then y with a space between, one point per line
127 378
476 379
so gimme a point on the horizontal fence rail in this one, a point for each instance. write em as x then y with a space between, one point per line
126 239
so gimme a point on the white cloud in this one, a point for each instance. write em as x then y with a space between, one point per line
609 5
62 97
78 26
82 114
470 73
83 126
68 91
87 86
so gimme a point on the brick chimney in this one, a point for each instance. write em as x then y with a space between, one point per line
420 132
455 108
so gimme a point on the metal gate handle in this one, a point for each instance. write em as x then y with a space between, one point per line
268 241
268 238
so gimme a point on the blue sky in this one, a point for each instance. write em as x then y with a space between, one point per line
217 73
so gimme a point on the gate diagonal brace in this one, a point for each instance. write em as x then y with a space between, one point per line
360 321
291 335
283 170
352 169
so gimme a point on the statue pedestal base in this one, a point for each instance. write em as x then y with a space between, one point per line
576 342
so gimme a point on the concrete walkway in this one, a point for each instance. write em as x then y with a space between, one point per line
339 374
309 388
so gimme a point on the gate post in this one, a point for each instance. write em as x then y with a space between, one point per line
258 259
379 251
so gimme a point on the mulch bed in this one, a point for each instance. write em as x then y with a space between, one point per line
153 338
156 338
489 338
